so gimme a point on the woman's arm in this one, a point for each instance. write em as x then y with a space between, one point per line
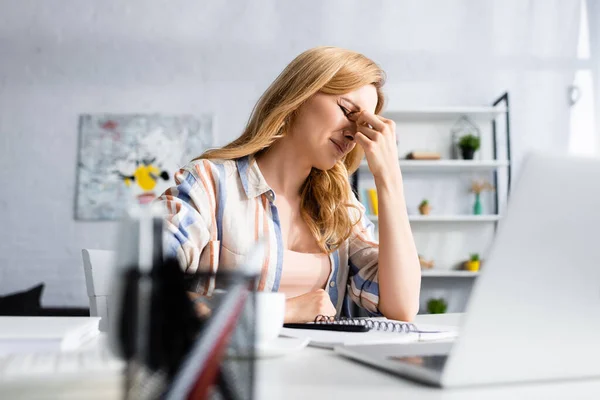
399 269
399 273
189 228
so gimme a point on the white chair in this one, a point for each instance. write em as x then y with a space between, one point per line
98 266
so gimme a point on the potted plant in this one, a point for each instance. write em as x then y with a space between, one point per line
426 264
424 207
437 306
473 263
469 144
477 187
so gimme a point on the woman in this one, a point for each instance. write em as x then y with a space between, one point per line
285 179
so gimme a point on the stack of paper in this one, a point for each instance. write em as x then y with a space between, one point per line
23 334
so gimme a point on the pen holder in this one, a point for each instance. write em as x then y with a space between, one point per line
157 355
237 365
156 328
171 350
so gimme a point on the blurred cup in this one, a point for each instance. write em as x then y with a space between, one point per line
270 312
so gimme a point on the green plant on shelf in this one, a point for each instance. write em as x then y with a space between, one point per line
424 207
437 306
474 263
469 142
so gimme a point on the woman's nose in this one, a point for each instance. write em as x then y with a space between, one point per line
349 134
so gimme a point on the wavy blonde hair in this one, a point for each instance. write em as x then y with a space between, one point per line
325 195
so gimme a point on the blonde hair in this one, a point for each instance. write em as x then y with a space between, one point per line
325 195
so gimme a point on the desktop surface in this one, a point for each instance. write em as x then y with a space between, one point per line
322 374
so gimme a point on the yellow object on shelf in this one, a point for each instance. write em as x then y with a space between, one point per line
473 266
373 199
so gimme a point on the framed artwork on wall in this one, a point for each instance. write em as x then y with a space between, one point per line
131 158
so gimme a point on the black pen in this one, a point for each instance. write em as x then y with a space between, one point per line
329 327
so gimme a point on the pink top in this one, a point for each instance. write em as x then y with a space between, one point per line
303 273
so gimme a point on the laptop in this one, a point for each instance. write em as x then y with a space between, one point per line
534 312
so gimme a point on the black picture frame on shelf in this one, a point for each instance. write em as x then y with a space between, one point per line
502 99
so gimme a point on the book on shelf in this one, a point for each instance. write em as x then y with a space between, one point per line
423 155
370 201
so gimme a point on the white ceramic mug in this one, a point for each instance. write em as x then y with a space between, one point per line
270 313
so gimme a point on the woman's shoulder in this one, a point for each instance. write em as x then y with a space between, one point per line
204 165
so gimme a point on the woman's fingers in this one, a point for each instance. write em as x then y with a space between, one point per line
390 123
366 118
368 132
377 137
363 141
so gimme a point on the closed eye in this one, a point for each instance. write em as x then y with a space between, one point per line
347 113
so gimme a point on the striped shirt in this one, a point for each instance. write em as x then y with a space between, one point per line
217 211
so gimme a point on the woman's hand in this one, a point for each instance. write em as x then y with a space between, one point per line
377 136
202 310
398 261
307 307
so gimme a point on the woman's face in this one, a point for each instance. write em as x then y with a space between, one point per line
321 130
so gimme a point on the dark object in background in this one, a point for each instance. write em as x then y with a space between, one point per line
64 312
24 303
27 303
467 153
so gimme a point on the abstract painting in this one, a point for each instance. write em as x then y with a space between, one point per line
127 159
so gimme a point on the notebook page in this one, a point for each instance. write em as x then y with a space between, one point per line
330 339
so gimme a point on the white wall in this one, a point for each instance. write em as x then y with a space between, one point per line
62 58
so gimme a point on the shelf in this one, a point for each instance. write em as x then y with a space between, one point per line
448 165
446 218
443 113
447 273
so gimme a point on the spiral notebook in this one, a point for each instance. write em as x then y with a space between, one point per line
381 331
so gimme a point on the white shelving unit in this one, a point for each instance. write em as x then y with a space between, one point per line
446 218
429 114
450 273
450 233
450 166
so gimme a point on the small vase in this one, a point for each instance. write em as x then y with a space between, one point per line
424 210
477 205
467 153
473 266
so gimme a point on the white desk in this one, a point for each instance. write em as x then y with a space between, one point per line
321 374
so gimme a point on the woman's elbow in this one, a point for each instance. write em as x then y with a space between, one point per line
406 313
